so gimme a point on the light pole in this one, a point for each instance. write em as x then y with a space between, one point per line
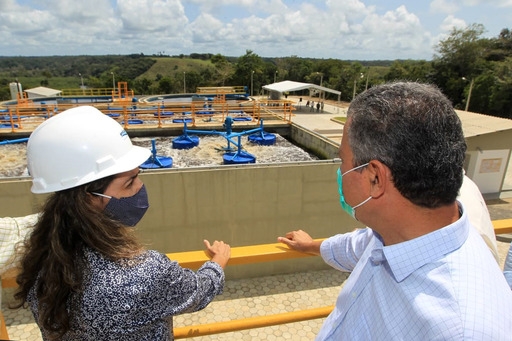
367 76
82 81
355 85
469 93
113 81
275 76
184 83
321 82
252 76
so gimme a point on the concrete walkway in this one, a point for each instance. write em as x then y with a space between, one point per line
321 122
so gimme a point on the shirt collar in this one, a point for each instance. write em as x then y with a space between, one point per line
404 258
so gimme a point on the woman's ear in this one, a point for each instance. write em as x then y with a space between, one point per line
97 201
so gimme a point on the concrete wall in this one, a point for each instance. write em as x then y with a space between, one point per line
242 205
313 142
496 148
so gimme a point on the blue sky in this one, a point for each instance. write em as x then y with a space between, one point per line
341 29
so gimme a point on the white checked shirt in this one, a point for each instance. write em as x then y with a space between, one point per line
12 231
445 285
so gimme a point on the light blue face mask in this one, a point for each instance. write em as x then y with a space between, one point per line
346 207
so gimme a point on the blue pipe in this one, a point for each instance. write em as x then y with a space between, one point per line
14 141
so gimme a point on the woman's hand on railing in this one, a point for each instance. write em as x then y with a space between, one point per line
219 252
301 241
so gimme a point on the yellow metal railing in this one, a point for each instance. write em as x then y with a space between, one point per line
87 92
17 119
247 255
240 255
214 90
502 226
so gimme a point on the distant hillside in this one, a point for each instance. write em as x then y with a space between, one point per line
157 74
173 67
69 71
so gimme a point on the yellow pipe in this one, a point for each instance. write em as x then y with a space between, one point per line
502 226
251 322
4 335
241 255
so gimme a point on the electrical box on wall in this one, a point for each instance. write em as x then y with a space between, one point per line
487 168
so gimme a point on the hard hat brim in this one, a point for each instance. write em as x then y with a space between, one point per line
133 159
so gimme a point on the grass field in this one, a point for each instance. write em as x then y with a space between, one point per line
164 66
53 82
168 66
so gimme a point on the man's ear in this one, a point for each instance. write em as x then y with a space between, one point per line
379 177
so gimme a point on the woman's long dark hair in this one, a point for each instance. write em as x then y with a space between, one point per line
53 254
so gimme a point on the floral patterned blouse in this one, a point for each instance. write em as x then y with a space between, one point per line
136 301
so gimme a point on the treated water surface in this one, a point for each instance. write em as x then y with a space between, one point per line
13 161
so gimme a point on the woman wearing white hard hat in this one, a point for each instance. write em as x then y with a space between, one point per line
84 274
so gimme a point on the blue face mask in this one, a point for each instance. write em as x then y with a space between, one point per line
346 207
130 210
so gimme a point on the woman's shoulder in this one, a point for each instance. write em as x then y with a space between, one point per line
146 258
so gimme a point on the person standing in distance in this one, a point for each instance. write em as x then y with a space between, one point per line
84 274
419 271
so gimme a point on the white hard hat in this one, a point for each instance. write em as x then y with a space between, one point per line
78 146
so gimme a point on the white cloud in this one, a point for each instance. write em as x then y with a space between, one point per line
206 28
79 12
268 6
452 6
451 22
446 27
166 16
444 6
397 31
345 29
497 3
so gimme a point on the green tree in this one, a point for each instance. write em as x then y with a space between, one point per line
249 66
412 70
193 80
165 85
460 55
223 68
500 100
142 86
500 47
295 68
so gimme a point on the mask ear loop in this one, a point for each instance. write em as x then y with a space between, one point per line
364 202
353 169
102 195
